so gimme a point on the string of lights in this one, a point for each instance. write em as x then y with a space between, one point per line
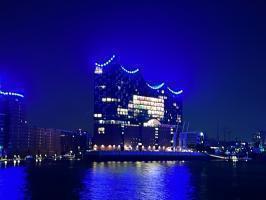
130 71
11 94
155 87
105 63
175 92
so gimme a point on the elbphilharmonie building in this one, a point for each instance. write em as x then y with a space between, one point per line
131 114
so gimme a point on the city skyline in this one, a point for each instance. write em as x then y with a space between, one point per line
135 99
219 64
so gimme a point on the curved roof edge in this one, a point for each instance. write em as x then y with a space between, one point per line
105 63
11 94
130 71
175 92
155 87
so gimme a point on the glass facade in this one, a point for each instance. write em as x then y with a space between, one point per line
129 113
13 127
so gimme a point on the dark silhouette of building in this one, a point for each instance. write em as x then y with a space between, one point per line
48 141
13 124
75 141
131 114
259 139
191 140
44 141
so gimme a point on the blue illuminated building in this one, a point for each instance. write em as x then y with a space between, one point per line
13 127
131 114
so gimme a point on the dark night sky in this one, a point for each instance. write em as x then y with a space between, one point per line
214 50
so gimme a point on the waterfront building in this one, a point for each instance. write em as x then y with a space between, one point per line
44 141
131 114
13 124
191 140
75 141
49 141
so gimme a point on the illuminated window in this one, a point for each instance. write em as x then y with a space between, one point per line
102 86
101 130
98 70
109 99
178 120
154 106
122 111
97 115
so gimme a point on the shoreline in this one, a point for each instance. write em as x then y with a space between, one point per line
143 156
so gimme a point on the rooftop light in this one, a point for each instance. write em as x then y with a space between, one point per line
130 71
175 92
11 94
155 87
105 63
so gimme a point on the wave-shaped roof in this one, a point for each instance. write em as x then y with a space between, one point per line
154 87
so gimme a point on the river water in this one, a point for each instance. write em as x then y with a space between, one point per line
134 180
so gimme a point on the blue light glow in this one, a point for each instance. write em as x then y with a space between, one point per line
105 63
130 72
11 94
13 183
175 92
180 177
155 87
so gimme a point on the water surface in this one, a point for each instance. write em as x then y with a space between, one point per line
134 180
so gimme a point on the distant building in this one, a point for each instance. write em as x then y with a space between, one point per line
190 139
130 113
48 141
13 124
44 141
75 141
17 138
259 141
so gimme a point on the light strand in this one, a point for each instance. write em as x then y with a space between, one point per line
175 92
130 71
155 87
11 94
105 63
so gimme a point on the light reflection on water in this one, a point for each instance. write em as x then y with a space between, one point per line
12 183
133 180
137 180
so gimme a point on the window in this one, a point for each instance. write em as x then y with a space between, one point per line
108 99
98 70
97 115
101 130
